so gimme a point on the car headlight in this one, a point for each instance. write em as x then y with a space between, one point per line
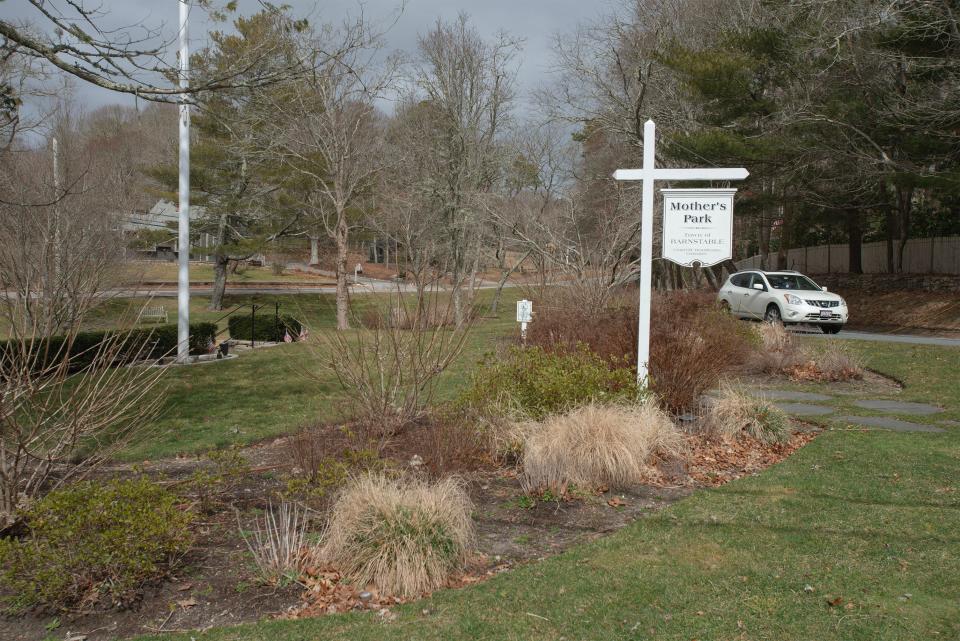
793 300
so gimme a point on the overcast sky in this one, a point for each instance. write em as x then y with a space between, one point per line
535 21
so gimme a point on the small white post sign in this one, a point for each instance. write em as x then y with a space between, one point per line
698 226
647 175
524 316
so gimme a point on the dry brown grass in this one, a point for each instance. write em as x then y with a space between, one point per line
835 362
735 413
278 542
780 353
595 445
405 536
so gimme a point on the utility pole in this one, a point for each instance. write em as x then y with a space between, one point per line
183 273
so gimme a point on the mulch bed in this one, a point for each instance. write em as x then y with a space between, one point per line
216 585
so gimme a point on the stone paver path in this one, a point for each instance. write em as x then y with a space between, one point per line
805 409
787 395
898 407
890 424
808 404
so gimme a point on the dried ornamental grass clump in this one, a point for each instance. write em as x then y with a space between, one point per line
595 445
735 413
778 352
405 536
278 542
831 362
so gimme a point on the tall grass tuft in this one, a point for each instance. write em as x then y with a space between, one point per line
278 542
735 413
595 445
405 536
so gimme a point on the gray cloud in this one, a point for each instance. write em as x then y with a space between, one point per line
535 21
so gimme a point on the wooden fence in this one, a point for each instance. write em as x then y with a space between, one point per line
920 256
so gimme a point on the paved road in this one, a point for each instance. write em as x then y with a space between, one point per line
886 338
361 287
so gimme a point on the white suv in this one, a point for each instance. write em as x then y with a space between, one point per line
782 297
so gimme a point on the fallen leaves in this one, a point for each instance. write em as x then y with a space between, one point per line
327 593
718 461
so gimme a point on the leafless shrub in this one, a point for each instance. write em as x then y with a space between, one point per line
505 431
451 441
390 372
735 413
401 316
598 445
693 344
278 542
406 536
306 452
62 414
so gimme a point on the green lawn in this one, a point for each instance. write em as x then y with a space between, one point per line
938 368
870 521
274 390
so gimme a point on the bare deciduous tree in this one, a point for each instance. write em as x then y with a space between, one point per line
328 134
65 407
466 87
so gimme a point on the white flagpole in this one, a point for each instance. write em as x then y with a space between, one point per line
183 273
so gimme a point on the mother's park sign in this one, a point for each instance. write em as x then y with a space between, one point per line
697 225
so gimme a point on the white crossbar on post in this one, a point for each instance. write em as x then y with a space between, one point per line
649 173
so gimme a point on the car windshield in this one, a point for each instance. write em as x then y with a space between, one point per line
792 281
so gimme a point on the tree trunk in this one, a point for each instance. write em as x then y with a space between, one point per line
855 241
890 224
456 277
220 264
904 207
343 302
711 277
314 250
764 242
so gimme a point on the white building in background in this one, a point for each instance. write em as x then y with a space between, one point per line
163 216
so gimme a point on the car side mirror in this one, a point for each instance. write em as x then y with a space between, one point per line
759 286
825 289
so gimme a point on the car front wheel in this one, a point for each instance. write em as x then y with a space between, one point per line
773 315
831 329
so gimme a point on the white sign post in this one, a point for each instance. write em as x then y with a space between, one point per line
648 174
524 316
697 226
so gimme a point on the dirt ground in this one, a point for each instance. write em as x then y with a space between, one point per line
932 312
215 584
